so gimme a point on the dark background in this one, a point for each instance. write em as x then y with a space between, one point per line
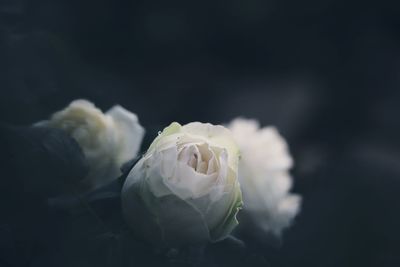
326 73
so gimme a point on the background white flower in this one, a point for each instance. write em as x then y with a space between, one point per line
107 139
264 176
185 189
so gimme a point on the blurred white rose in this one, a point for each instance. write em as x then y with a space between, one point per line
264 176
107 139
185 189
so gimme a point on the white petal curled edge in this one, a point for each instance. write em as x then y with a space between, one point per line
129 132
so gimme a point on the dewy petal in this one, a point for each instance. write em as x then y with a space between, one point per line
129 133
172 129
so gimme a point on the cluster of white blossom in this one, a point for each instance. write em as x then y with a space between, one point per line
188 186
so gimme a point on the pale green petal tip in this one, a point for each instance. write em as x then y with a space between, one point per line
174 127
231 221
237 207
171 129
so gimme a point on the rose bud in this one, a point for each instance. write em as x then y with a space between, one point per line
184 190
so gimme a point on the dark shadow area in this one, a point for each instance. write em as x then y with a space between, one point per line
326 73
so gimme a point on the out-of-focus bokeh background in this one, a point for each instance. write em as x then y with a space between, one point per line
326 73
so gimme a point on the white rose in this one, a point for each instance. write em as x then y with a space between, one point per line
107 139
185 189
264 176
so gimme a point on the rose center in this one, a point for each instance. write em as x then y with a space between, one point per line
200 157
